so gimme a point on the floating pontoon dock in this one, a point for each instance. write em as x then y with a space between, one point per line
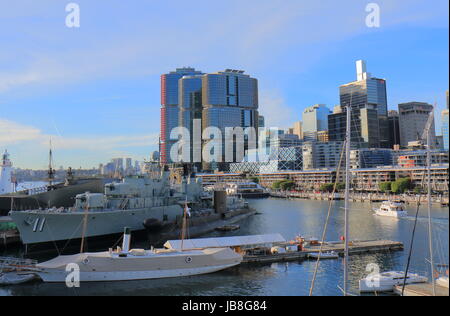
359 247
421 289
255 247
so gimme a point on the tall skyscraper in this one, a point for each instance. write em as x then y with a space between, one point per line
413 117
190 109
230 99
444 119
298 129
169 108
394 128
261 121
367 97
315 119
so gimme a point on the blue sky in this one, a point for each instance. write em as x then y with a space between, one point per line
95 90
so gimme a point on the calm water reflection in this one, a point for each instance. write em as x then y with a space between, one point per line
289 217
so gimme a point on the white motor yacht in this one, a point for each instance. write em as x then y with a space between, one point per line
391 209
385 282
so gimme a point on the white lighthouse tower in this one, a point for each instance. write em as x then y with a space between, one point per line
6 184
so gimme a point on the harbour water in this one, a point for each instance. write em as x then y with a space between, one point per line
290 218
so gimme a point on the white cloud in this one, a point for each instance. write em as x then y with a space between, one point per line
275 111
12 133
251 36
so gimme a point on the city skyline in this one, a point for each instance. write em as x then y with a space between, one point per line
94 110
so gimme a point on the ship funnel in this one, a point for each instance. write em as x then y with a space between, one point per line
126 240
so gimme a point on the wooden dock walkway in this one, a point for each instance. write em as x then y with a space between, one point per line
421 289
356 247
359 247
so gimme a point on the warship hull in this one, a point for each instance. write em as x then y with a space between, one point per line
62 196
50 227
156 236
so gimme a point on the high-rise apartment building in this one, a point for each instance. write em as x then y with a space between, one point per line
169 108
413 117
317 155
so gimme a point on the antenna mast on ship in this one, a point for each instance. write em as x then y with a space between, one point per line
51 171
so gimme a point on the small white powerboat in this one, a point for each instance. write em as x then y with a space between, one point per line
442 281
391 209
324 255
386 281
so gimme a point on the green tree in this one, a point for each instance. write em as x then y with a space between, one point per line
276 185
327 187
418 190
287 185
385 186
401 185
340 187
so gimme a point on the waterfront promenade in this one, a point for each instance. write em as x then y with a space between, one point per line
360 197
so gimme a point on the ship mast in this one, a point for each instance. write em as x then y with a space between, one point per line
51 171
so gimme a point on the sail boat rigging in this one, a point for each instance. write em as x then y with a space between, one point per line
347 195
430 231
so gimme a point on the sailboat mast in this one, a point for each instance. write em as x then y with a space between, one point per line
430 231
183 229
347 197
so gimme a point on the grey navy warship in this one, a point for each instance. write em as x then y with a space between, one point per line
52 194
142 203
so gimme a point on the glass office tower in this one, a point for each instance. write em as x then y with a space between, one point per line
315 119
367 97
444 119
169 108
230 99
190 109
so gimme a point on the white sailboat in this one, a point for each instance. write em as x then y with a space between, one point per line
442 281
